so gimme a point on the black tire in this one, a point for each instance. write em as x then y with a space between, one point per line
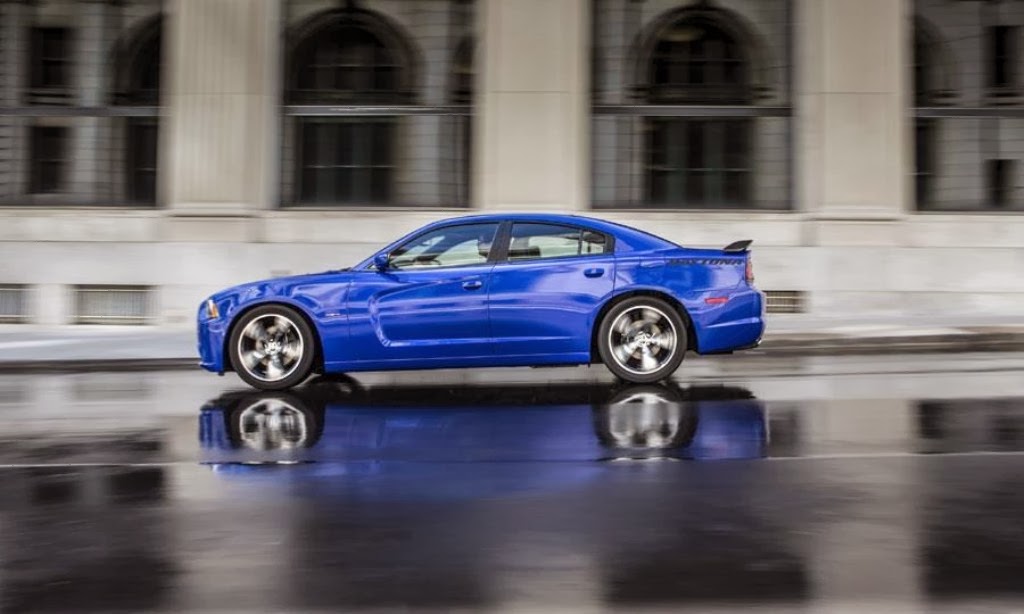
296 372
666 363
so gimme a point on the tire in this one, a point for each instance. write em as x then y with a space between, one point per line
272 348
642 340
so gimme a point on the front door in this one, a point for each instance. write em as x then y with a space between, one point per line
543 296
430 305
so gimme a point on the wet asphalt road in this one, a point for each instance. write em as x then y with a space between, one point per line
876 484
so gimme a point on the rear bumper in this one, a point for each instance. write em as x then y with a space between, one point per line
737 325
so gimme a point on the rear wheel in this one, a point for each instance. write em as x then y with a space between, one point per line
642 339
272 348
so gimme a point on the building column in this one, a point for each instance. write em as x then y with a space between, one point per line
531 131
222 96
854 155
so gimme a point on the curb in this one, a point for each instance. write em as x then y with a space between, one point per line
816 345
82 365
783 345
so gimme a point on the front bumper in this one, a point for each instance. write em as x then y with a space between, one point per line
210 335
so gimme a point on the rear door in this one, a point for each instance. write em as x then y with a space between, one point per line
543 294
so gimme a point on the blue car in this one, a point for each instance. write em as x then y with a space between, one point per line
487 291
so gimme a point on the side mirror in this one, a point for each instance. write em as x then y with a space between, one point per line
382 262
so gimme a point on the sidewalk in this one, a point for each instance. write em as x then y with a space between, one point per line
97 348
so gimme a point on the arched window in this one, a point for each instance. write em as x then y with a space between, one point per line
138 84
353 58
692 161
696 61
349 60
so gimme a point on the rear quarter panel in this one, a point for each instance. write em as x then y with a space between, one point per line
692 277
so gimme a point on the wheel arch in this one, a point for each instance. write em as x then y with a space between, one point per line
318 349
691 333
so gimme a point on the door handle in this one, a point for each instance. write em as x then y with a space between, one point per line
472 285
594 272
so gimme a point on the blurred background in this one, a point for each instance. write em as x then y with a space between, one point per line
153 151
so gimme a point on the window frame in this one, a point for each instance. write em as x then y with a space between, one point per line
986 107
506 243
136 133
999 188
62 134
623 105
925 172
362 163
1007 62
38 61
451 186
105 115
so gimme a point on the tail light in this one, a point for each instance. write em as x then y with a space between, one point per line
750 270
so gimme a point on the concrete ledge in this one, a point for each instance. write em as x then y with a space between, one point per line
79 365
825 345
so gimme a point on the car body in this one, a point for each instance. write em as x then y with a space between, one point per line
491 290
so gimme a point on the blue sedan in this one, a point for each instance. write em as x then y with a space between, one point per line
492 290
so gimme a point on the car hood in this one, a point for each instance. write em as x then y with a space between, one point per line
281 286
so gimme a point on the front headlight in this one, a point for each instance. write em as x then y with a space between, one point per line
211 310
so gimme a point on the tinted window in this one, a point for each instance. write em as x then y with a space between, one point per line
533 241
448 246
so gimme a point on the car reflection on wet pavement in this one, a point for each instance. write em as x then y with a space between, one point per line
581 496
335 420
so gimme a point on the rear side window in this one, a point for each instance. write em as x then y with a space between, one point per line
530 241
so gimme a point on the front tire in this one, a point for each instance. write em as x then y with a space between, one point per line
272 348
642 340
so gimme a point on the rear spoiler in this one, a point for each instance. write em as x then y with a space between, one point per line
737 247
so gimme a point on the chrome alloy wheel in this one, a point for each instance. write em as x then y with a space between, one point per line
642 339
270 347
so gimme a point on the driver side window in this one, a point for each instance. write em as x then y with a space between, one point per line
449 246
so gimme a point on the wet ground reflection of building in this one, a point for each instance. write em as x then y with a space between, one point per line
77 536
963 557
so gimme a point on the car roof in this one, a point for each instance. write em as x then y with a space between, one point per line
635 239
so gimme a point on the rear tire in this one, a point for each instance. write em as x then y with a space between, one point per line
272 348
642 340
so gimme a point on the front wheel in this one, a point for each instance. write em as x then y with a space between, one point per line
272 348
642 340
